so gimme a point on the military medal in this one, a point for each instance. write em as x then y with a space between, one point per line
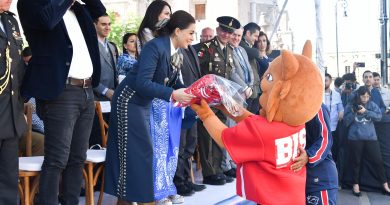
216 58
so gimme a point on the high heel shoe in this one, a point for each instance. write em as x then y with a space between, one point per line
384 192
358 194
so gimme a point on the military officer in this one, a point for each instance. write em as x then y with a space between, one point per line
12 121
215 57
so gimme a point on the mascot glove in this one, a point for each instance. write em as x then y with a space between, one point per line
203 110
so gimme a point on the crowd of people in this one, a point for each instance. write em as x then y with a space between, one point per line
70 63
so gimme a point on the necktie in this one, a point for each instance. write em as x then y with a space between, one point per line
243 65
177 60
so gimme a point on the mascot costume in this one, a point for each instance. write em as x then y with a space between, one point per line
264 146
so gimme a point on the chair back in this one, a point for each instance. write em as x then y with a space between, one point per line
28 108
102 124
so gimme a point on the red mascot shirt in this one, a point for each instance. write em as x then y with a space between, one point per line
263 152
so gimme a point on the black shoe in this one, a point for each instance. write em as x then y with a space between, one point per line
196 187
214 180
231 173
384 192
184 190
229 179
358 194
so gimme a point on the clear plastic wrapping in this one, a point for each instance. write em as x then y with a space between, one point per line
217 90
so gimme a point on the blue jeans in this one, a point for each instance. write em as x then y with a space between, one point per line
68 121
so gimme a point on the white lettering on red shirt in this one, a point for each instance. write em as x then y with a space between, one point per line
287 147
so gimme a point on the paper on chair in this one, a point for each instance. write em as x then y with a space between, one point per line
106 106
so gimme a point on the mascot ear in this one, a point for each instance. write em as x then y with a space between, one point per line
273 101
290 65
307 49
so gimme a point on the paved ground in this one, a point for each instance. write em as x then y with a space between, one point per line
225 195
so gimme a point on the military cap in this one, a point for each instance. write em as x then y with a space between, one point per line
228 23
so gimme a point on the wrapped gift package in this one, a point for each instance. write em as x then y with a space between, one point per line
217 90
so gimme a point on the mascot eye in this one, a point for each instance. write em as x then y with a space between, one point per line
269 77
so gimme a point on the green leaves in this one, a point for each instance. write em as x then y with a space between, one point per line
121 26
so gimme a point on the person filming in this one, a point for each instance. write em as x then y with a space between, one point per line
360 115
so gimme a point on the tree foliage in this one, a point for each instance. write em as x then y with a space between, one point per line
120 27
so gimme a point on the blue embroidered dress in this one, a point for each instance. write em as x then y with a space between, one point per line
165 121
125 64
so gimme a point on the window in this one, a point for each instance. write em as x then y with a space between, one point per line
200 11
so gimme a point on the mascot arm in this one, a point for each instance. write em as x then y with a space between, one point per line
318 129
213 125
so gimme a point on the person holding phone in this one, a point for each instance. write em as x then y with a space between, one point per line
360 115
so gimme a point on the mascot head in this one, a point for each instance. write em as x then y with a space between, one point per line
292 88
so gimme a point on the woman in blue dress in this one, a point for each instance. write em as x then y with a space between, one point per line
129 162
129 57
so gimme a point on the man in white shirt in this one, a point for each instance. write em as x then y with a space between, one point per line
336 110
60 75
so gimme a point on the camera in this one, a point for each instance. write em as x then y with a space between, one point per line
356 107
350 86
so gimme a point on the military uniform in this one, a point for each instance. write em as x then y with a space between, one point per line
214 60
12 121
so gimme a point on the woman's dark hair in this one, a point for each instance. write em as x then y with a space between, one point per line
362 90
338 82
350 77
151 17
268 48
124 41
180 19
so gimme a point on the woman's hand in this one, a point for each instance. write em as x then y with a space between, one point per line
182 97
248 92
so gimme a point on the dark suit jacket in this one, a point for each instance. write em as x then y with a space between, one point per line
153 67
12 119
190 72
51 47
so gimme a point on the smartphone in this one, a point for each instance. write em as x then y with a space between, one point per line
360 64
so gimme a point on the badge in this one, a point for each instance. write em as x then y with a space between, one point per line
200 54
216 58
211 51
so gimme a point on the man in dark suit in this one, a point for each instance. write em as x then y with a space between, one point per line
190 71
250 35
61 80
12 120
